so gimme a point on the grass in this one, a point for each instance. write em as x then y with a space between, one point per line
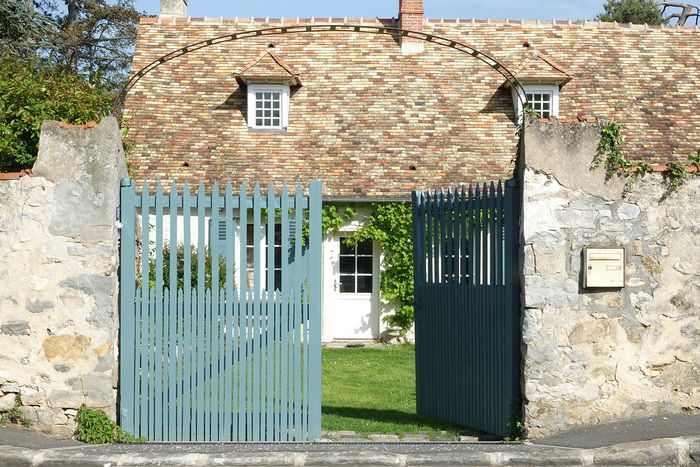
374 391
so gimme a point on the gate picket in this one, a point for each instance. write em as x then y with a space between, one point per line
228 348
467 304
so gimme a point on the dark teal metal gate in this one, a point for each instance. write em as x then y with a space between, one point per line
467 309
220 308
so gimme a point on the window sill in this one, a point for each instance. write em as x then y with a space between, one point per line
267 130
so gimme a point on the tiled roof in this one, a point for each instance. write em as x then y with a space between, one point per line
372 123
268 66
538 66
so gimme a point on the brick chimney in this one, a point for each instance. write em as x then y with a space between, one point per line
173 8
411 19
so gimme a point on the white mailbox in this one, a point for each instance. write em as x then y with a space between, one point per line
604 267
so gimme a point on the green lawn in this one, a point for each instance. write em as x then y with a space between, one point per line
373 391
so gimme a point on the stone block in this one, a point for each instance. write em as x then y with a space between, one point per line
15 328
30 413
66 399
47 416
549 260
628 211
66 347
39 306
7 402
593 331
10 386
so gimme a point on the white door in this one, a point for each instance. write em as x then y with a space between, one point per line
354 310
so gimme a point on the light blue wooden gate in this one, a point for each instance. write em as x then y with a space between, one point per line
220 314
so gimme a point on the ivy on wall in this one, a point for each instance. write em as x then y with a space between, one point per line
609 154
390 225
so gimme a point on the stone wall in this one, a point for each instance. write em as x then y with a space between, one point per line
592 355
58 277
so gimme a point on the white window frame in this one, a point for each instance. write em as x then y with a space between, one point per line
552 89
284 120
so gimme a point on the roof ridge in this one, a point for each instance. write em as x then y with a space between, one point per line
554 23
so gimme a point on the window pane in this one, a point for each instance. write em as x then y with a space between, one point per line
259 122
278 279
346 250
276 105
546 97
347 264
258 104
258 113
268 122
268 105
347 284
364 284
258 95
268 95
365 248
276 122
278 256
276 113
267 114
364 265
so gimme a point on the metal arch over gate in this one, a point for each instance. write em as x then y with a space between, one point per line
340 28
220 337
467 311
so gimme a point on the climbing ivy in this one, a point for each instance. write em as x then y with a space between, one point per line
611 138
608 153
390 225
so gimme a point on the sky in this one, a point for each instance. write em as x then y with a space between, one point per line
480 9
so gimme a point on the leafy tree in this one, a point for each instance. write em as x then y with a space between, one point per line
24 28
96 38
29 95
631 11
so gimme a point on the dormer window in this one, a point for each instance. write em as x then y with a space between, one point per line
543 99
268 106
541 78
269 81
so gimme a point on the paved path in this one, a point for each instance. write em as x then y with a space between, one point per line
627 431
676 441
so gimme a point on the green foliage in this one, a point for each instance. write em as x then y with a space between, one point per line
694 159
608 151
24 29
530 112
28 97
194 268
631 11
96 39
94 427
516 426
14 415
391 225
332 220
676 173
643 168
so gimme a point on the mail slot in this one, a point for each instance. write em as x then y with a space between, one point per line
604 267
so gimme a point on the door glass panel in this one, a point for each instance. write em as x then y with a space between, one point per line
347 265
364 284
347 284
364 264
355 268
365 248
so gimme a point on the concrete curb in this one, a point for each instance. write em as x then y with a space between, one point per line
664 451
